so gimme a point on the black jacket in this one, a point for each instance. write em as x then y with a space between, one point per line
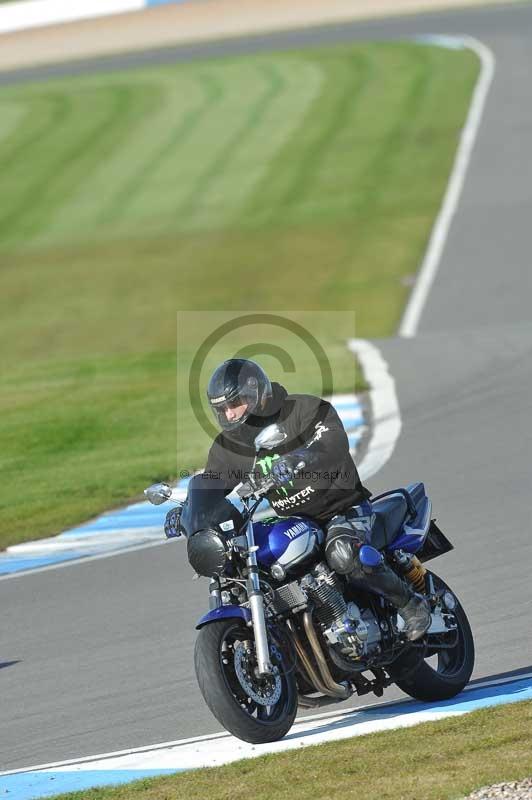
329 483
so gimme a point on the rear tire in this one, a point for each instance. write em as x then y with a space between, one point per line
217 650
414 676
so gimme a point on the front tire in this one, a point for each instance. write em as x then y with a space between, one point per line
423 681
224 659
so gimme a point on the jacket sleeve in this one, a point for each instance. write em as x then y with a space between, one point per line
326 443
217 466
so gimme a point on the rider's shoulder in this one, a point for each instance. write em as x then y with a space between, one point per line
307 400
227 440
220 440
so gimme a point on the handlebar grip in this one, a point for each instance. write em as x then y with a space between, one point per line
267 485
245 490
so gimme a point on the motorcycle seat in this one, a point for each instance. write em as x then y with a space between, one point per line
390 514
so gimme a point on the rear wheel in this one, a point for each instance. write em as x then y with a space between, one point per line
252 708
442 668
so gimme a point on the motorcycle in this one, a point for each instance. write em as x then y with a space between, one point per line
285 631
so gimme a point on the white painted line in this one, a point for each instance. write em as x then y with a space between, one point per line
196 752
108 540
410 321
353 416
499 681
36 13
344 400
303 734
386 422
74 562
323 716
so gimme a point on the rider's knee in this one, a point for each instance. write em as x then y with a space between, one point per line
342 547
346 534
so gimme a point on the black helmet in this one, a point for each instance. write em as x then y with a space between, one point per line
237 382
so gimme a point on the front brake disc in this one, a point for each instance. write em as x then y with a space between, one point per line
265 693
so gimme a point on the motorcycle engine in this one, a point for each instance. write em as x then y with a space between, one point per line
355 633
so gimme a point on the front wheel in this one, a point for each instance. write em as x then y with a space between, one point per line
254 709
441 671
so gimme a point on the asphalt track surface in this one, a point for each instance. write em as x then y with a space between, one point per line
97 657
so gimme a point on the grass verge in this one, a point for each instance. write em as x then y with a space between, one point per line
441 760
303 180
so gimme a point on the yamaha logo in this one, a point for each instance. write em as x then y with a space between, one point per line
296 530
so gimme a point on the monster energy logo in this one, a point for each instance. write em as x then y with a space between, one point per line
265 465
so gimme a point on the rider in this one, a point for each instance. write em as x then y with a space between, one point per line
327 488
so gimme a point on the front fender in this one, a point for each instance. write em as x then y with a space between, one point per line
224 612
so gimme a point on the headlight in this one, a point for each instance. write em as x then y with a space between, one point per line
208 553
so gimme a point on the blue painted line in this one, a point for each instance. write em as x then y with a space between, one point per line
42 784
349 409
115 523
150 3
11 564
448 42
470 700
29 785
146 512
123 519
349 423
345 400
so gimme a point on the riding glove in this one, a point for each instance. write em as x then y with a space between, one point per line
172 524
285 467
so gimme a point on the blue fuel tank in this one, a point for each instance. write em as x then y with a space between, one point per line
287 542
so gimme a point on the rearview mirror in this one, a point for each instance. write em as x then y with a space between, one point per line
158 493
270 437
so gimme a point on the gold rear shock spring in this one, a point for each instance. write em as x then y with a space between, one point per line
416 575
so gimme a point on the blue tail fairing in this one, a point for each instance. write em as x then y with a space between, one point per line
414 531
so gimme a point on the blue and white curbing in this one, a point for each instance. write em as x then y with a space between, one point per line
137 526
18 16
109 769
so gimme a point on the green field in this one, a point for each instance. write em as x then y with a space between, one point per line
301 181
443 760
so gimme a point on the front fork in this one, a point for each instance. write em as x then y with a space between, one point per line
256 604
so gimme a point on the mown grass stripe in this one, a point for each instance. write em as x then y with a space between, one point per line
390 146
212 93
177 176
252 117
11 118
297 159
42 114
149 119
21 176
331 109
225 200
87 137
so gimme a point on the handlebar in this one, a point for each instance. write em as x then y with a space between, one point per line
257 488
261 487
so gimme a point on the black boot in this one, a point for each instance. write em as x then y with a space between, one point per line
413 608
417 617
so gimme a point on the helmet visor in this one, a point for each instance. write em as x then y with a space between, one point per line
230 413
